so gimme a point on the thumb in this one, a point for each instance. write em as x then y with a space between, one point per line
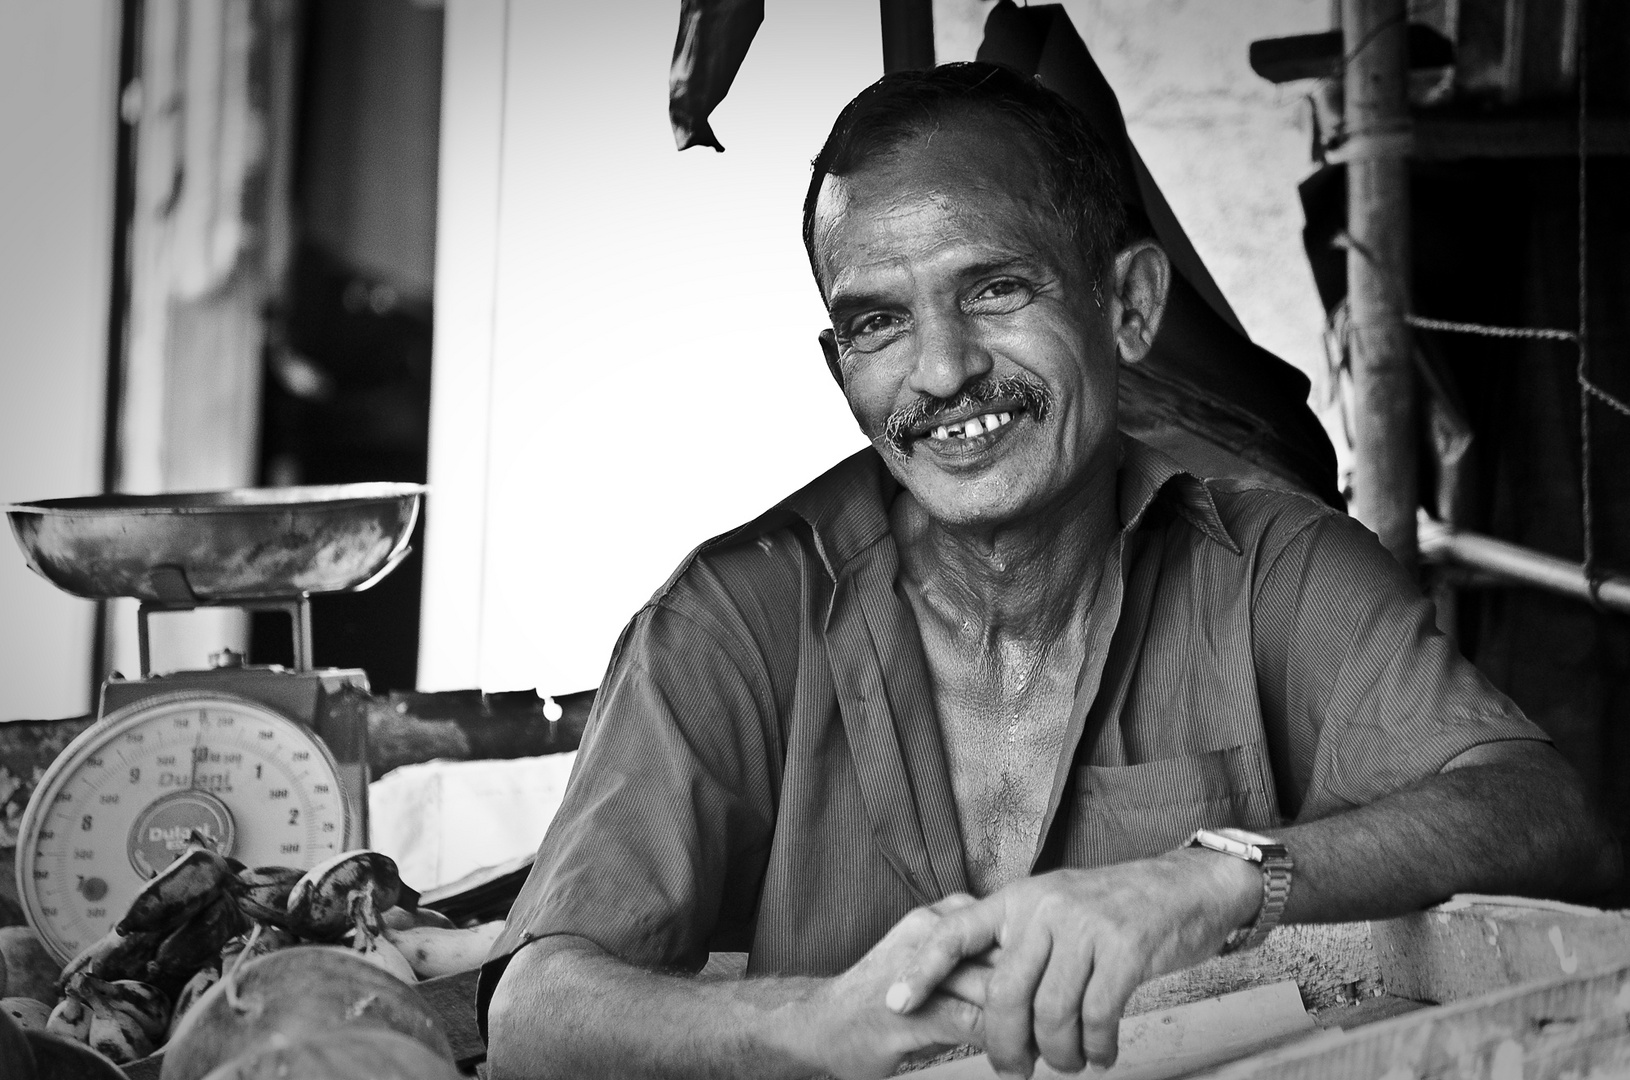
960 935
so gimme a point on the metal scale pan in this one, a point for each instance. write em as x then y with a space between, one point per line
256 548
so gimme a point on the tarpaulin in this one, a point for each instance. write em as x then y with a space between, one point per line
714 36
1206 393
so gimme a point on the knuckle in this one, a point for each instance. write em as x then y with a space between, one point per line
1100 1016
1063 1054
1054 1013
918 919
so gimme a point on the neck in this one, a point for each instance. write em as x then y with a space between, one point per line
1021 582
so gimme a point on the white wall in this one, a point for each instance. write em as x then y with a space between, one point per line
625 357
57 73
627 363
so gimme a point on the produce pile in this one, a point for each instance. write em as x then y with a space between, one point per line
214 959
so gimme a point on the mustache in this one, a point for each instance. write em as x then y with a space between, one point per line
1026 394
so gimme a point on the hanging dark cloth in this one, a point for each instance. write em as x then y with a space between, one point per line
1205 385
714 36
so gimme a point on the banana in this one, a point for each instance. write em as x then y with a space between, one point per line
195 944
434 951
71 1019
206 978
263 892
116 1034
189 883
321 904
147 1005
31 1014
377 950
113 956
400 918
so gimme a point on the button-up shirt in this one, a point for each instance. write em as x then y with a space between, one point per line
764 769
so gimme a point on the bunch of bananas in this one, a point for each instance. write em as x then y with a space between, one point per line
206 914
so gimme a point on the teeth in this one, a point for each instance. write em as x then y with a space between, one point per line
973 427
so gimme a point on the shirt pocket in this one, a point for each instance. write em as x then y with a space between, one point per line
1127 812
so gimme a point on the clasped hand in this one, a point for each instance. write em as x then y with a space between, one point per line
1044 966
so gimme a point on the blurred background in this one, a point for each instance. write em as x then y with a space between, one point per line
623 335
282 242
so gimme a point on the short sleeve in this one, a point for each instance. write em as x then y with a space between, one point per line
658 850
1365 694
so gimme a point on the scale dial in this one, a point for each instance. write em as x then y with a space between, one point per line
120 802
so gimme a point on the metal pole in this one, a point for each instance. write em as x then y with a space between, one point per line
1378 279
1511 563
908 34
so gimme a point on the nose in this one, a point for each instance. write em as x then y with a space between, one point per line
949 355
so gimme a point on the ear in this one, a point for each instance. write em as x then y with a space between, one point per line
1142 278
829 349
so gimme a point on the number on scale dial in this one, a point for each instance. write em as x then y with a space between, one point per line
120 802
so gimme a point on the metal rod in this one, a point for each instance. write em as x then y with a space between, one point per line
1518 565
908 34
1374 34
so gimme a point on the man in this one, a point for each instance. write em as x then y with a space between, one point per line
928 739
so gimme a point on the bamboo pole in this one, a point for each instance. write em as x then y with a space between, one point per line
1513 564
1378 279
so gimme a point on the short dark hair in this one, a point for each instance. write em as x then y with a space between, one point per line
1076 165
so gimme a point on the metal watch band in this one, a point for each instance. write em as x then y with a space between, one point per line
1276 865
1276 877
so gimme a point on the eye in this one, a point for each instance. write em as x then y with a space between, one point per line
998 297
872 331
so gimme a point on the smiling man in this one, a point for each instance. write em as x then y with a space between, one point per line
957 743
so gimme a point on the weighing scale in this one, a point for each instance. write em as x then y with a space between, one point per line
253 759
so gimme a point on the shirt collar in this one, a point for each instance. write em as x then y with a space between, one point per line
847 507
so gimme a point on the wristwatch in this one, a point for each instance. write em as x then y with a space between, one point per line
1276 866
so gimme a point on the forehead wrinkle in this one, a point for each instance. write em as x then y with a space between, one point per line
890 237
997 198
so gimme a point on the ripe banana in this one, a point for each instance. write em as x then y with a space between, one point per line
377 950
195 944
31 1014
263 892
113 956
321 903
146 1004
117 1035
400 918
71 1019
189 883
434 951
206 978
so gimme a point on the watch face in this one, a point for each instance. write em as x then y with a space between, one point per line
1244 837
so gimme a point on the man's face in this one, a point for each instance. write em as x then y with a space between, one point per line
970 346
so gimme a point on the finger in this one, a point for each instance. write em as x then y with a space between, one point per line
1057 1005
952 1022
1113 980
1009 1002
969 982
952 902
960 935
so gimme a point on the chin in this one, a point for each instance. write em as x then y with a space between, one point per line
988 501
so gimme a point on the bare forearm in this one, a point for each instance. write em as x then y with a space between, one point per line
1522 828
565 1008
